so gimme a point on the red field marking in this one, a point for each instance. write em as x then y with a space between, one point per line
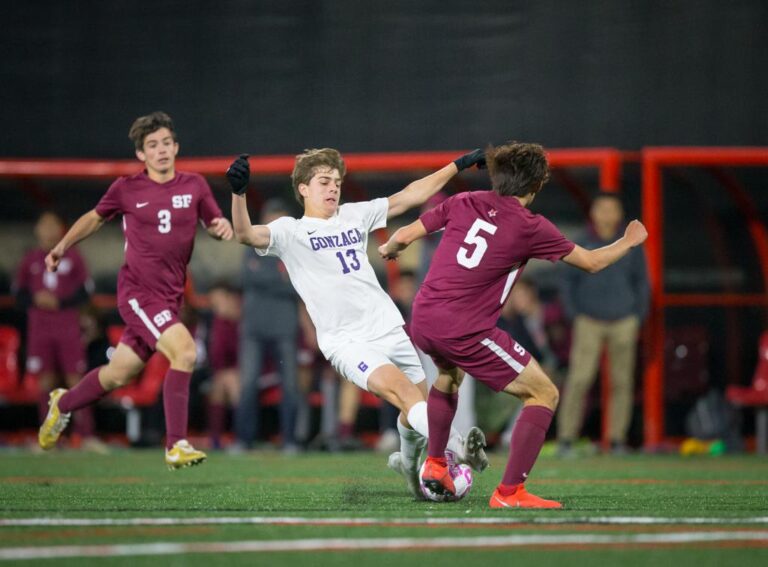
70 480
106 533
576 542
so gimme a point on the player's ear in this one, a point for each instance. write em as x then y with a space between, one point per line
304 190
175 149
141 155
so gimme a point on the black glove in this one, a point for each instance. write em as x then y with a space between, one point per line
476 157
238 174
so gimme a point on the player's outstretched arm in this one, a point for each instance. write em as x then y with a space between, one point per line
220 229
417 193
257 236
85 226
402 238
593 261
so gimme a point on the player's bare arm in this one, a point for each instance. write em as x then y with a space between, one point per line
418 192
593 261
85 226
401 239
238 175
220 229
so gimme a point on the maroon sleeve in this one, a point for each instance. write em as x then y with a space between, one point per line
547 242
436 218
207 208
110 204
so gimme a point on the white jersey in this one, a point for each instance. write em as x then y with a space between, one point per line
328 264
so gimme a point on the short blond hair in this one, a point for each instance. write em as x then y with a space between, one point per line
307 164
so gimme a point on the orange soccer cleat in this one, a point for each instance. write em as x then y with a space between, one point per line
436 476
519 497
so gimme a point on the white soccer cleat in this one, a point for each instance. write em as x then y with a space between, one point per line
395 462
474 450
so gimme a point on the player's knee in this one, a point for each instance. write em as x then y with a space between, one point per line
112 378
553 395
185 357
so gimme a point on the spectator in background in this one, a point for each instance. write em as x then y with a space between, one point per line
270 323
52 300
223 356
606 309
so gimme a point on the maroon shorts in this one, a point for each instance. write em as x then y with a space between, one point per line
146 318
225 337
57 349
491 357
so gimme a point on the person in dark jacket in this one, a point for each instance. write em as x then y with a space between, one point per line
607 310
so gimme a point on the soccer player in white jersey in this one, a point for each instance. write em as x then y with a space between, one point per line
359 329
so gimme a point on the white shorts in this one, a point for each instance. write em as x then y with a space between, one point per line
356 361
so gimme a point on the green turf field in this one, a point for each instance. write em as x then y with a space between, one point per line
265 508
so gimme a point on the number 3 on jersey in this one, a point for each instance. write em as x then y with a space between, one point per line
164 216
471 259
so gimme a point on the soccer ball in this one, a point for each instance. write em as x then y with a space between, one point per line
462 480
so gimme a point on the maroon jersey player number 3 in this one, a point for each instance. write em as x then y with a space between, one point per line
160 209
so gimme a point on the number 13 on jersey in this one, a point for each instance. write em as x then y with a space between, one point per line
471 258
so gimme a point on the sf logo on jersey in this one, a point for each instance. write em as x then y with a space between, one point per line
181 201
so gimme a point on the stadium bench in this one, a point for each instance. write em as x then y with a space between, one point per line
756 395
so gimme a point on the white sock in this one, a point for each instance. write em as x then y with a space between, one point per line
411 446
456 445
417 417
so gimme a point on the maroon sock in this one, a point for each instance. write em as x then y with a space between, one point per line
441 407
217 416
346 430
527 439
87 391
176 404
42 405
84 423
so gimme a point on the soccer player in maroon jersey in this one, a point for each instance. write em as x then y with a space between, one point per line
161 208
52 301
489 237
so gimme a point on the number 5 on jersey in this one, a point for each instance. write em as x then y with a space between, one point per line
471 259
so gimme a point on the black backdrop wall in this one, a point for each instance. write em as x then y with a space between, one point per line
275 77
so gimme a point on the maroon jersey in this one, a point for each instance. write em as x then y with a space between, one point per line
71 276
159 223
224 343
487 241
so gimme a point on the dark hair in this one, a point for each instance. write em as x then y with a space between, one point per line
608 195
143 126
517 169
307 164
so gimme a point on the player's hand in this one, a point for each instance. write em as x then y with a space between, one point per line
238 174
388 254
475 157
45 300
52 259
220 229
635 233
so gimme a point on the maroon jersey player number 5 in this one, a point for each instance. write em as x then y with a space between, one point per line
160 209
489 237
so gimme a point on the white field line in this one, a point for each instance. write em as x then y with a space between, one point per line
299 521
387 544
